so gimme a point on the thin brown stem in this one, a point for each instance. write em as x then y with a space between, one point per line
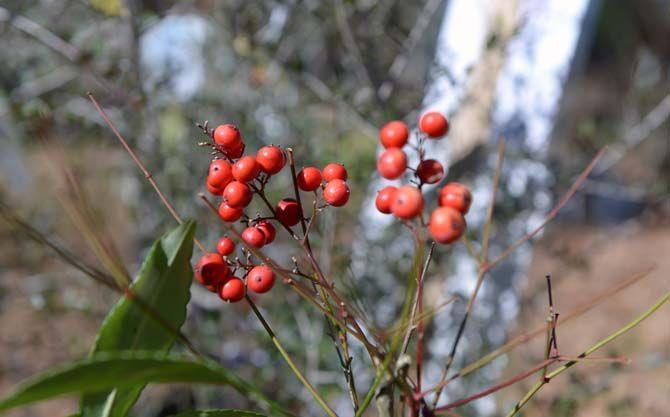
482 270
141 166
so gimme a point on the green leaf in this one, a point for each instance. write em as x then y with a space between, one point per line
163 285
109 370
217 413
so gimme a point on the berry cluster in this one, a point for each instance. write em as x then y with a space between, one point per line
237 178
446 223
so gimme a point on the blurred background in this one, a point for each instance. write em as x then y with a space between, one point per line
559 79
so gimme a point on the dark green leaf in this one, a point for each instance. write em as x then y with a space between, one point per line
109 370
163 285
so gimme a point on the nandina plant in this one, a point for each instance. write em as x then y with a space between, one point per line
134 341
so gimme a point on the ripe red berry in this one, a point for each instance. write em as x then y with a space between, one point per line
260 279
237 194
392 163
309 178
213 288
271 159
408 202
334 171
211 269
456 196
394 134
385 198
236 151
246 169
214 190
268 230
225 246
220 173
336 193
232 291
287 212
230 214
227 136
430 171
446 224
253 237
434 124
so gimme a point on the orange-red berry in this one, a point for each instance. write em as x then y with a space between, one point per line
211 269
456 196
287 212
385 198
446 225
237 151
232 291
394 134
220 173
434 124
392 163
260 279
309 178
254 237
408 202
334 171
430 171
246 169
230 214
237 194
336 193
271 159
214 190
225 246
227 136
268 230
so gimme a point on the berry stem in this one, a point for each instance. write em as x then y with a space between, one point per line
289 361
141 166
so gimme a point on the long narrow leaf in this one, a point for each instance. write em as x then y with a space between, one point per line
110 370
163 284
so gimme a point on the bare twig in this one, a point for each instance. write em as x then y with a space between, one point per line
141 166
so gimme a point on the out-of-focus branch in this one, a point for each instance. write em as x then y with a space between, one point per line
42 34
400 61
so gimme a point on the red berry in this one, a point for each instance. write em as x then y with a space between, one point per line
271 159
334 171
246 169
336 193
260 279
237 194
220 173
287 212
434 124
211 269
309 178
385 198
430 171
213 288
456 196
446 224
254 237
232 291
392 163
227 136
214 190
394 134
230 214
268 230
236 152
225 246
408 202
